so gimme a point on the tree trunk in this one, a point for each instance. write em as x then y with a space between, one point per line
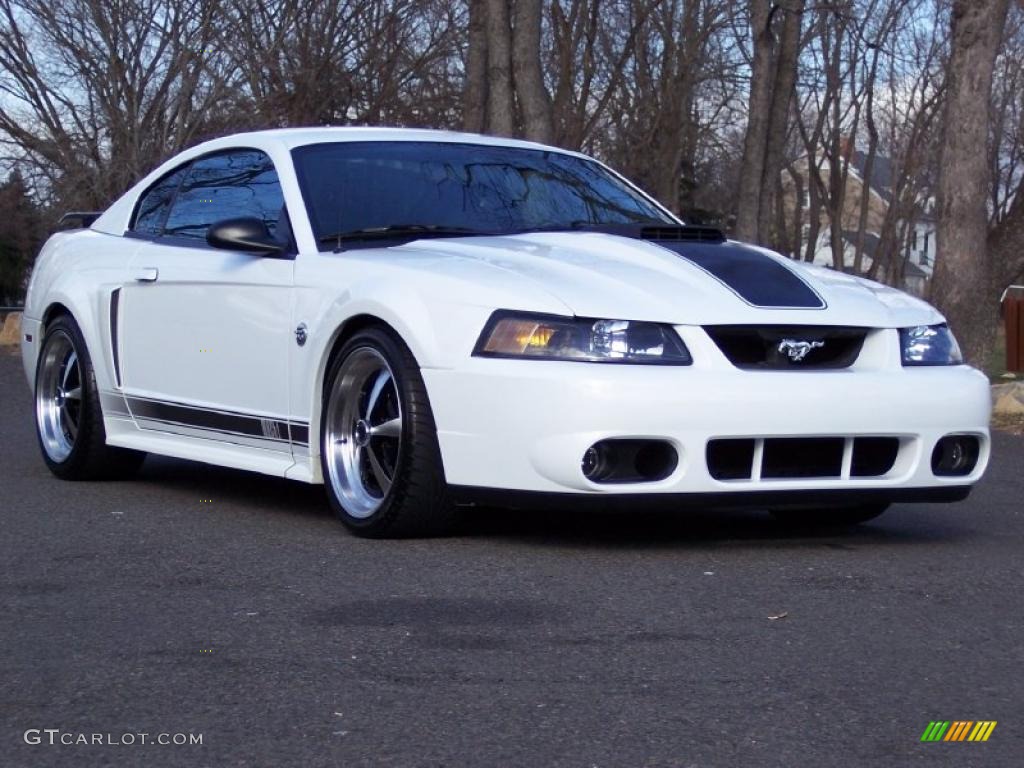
869 171
501 115
796 236
534 100
474 95
748 196
962 287
778 120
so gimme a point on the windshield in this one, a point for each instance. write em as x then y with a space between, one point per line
352 187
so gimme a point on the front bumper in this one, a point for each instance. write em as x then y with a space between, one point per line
525 425
30 344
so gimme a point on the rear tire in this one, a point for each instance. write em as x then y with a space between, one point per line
828 518
69 419
378 443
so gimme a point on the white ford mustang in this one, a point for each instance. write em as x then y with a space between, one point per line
423 321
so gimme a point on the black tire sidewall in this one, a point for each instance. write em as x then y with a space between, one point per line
90 399
405 372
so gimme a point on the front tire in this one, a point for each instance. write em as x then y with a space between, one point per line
378 443
69 419
828 518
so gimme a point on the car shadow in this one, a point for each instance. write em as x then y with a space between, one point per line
236 486
648 528
672 528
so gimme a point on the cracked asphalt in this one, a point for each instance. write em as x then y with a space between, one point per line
555 639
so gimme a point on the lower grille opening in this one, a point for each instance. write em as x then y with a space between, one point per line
874 456
730 458
802 457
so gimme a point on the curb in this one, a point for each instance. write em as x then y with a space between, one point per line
11 333
1008 399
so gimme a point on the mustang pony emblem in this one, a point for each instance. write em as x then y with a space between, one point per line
798 350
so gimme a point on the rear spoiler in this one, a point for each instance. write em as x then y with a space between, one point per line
79 219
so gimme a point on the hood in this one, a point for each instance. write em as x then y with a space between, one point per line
602 275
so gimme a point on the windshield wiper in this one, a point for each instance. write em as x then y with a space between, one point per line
398 231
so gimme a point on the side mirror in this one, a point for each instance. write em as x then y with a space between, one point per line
245 234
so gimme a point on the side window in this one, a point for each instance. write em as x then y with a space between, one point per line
226 186
156 202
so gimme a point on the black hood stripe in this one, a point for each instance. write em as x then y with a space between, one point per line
759 280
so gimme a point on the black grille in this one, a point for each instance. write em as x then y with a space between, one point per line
800 457
730 459
874 456
788 347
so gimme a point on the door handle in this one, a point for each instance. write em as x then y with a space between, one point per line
147 275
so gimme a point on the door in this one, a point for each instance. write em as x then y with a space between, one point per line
205 332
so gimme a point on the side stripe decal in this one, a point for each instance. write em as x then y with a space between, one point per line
224 422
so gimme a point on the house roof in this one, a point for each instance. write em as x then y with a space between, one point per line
871 241
910 269
881 173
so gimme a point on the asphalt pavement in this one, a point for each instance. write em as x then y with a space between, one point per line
204 601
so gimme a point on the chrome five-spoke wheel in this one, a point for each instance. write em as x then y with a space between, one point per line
379 453
363 431
69 420
59 397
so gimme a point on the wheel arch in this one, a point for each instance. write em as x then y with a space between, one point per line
344 331
89 314
56 309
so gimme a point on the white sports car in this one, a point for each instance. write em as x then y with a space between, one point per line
423 321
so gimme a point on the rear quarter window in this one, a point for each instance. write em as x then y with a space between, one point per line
155 203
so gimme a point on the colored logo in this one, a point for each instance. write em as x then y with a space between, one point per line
958 730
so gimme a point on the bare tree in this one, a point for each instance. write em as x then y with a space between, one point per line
963 284
748 193
783 85
501 116
95 93
534 99
516 98
474 99
20 231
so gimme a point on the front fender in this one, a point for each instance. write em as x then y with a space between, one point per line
436 332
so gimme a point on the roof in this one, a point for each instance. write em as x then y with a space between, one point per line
871 241
297 137
881 173
910 269
278 143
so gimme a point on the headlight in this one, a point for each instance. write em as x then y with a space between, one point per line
550 337
929 345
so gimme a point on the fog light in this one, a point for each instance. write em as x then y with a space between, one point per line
955 456
590 463
629 461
